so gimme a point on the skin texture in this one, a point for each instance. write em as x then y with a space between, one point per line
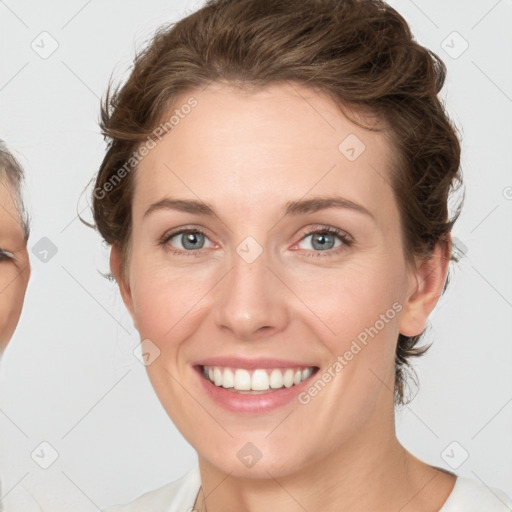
15 269
247 154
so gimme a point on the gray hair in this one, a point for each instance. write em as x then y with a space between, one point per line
11 170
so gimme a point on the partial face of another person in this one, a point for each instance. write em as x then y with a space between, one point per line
266 287
14 263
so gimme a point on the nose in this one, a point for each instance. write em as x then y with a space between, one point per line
252 301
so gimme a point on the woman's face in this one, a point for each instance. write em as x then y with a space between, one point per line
255 296
14 264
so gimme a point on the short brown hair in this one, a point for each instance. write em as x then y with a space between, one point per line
359 52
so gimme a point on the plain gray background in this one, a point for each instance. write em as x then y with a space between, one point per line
69 377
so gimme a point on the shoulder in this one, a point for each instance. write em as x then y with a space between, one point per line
179 495
470 495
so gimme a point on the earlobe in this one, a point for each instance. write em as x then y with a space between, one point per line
430 277
116 268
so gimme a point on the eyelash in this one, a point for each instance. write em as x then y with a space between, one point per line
347 241
5 255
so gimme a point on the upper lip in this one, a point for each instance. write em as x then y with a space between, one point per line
252 363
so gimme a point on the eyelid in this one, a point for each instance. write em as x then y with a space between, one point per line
320 228
346 239
179 231
6 254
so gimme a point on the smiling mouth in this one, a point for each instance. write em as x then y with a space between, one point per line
257 381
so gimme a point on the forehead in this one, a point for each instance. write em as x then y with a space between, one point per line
10 222
282 140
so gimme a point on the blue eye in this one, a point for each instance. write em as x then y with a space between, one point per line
326 239
323 240
190 239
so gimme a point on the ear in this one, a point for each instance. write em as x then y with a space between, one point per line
430 277
116 268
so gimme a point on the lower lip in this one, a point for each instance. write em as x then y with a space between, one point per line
257 403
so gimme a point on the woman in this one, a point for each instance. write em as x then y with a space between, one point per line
14 277
275 194
14 231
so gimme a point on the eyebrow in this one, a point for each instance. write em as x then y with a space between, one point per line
292 208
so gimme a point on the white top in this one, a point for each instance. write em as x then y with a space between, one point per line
468 495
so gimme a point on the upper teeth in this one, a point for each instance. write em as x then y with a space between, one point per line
256 380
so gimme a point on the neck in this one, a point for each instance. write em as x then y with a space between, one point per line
371 472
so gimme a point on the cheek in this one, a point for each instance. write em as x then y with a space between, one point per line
338 302
356 309
167 301
11 303
347 300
